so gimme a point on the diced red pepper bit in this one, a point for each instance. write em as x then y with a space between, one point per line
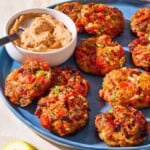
121 52
100 62
45 121
62 112
45 65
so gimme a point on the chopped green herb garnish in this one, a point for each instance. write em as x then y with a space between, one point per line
40 72
110 111
56 90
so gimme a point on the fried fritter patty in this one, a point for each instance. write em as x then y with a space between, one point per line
140 22
85 55
63 111
70 77
144 84
101 19
28 82
140 49
127 87
72 9
99 55
122 126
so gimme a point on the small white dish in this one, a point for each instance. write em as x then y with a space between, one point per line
55 57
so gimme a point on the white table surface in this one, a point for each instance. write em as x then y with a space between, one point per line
10 126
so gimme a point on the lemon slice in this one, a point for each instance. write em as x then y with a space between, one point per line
18 145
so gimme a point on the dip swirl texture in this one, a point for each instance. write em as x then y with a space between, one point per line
45 33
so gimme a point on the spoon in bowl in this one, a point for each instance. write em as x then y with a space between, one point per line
25 24
11 37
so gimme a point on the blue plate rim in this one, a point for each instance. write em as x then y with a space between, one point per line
52 137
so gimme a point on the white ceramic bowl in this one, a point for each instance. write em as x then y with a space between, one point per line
55 57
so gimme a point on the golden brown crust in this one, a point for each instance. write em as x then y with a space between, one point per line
140 22
102 19
85 55
122 126
99 55
63 111
124 87
70 77
28 82
72 9
140 50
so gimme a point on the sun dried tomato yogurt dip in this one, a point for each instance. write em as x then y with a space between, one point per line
45 33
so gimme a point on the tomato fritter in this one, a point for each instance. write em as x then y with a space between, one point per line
127 87
144 84
63 111
72 9
70 77
101 19
28 82
140 22
99 55
85 55
140 49
122 126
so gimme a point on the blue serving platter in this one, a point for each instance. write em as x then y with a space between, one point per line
87 137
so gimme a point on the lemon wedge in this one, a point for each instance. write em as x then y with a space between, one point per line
18 145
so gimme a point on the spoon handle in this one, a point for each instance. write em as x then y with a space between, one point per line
8 39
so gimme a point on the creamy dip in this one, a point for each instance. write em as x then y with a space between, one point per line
45 33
